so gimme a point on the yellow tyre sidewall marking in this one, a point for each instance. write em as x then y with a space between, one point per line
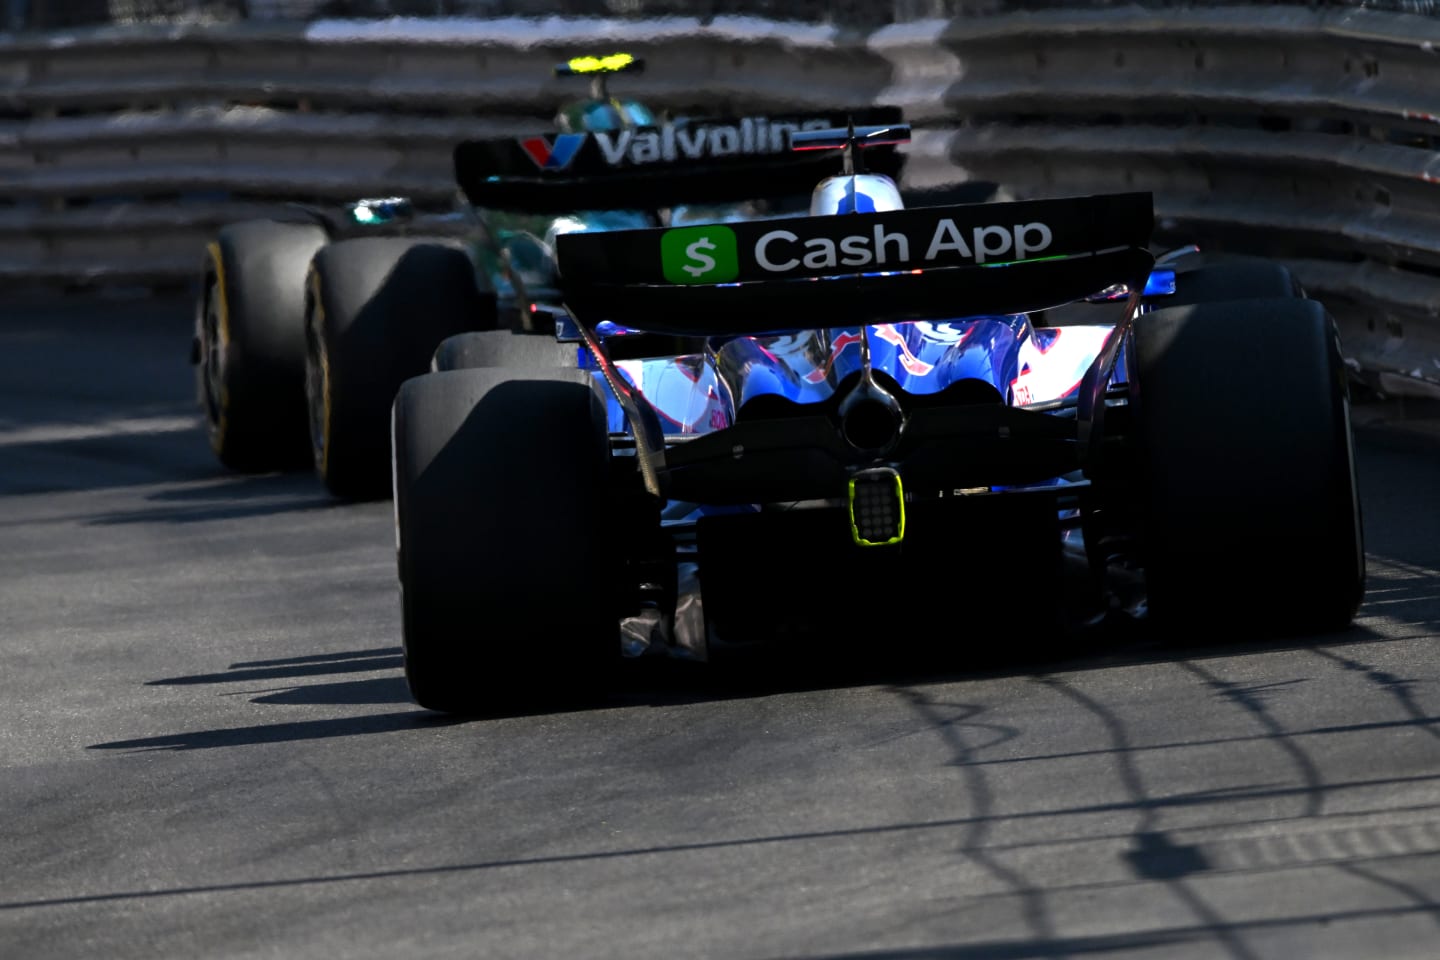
222 310
317 324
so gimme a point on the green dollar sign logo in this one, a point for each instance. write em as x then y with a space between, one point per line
703 264
704 254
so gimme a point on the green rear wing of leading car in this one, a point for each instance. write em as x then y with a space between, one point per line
854 269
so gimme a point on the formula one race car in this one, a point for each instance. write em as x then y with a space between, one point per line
284 305
940 426
305 330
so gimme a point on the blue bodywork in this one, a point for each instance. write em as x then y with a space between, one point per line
700 392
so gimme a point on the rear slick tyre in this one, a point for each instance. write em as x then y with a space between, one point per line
1233 278
503 348
250 329
1250 508
377 307
502 495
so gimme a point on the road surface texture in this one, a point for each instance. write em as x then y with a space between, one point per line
208 749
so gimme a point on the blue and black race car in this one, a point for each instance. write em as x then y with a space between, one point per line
942 425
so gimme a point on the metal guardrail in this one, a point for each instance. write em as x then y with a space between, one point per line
59 14
1312 134
1305 134
124 149
55 14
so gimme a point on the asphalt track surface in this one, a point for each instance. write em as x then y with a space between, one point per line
208 749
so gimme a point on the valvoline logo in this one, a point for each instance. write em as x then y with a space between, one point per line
554 155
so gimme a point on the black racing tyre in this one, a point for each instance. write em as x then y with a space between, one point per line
1249 503
250 332
1200 279
1232 278
502 495
503 348
377 309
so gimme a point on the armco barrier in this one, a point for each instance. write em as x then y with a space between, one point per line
1303 134
130 145
1306 134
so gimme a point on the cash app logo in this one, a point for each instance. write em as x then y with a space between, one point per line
699 254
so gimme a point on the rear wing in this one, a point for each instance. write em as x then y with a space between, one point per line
854 269
695 161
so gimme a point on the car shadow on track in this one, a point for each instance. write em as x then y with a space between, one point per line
766 673
358 661
281 732
366 691
652 682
